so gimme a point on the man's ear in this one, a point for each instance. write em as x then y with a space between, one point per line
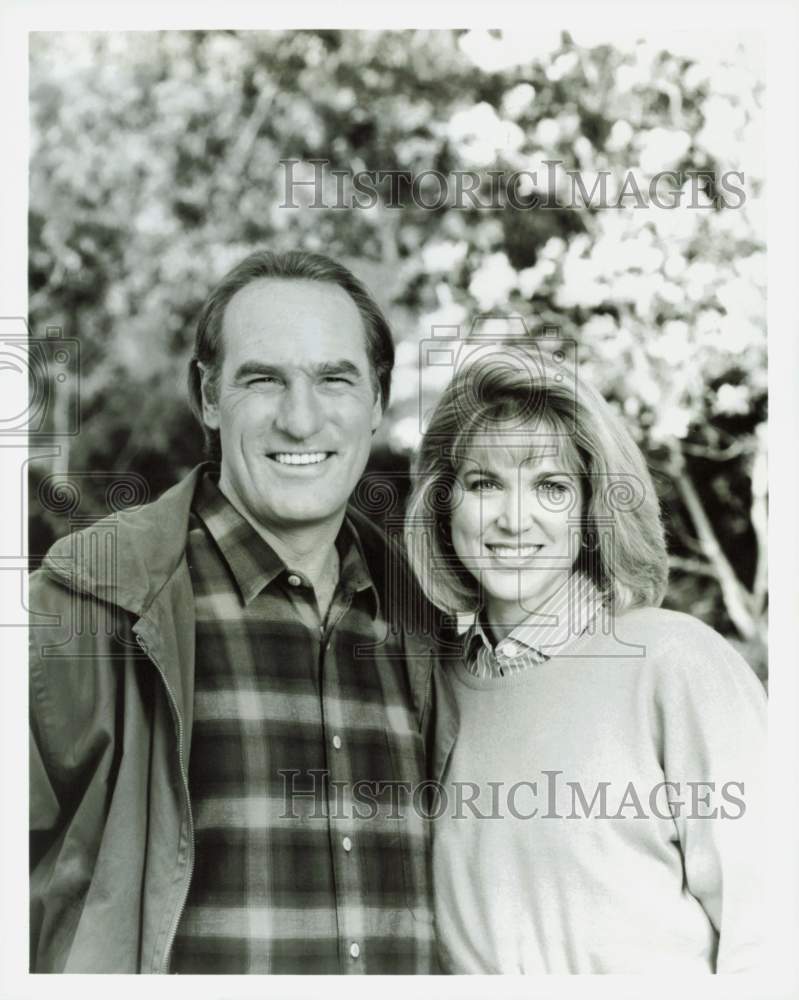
209 390
377 412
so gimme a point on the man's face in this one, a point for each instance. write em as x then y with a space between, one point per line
295 405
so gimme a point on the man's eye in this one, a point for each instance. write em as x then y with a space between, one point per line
337 380
262 380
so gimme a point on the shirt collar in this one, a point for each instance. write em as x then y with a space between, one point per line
253 562
564 615
354 572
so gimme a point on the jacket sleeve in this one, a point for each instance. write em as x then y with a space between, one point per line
47 790
71 757
50 602
45 812
47 825
44 807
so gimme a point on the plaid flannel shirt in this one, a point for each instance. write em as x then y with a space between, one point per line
305 752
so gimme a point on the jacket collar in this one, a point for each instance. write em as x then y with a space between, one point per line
125 559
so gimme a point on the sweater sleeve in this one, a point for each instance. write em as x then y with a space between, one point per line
712 712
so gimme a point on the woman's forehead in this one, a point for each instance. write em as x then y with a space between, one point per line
550 452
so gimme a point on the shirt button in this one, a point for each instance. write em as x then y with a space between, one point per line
510 649
337 742
354 949
346 843
294 580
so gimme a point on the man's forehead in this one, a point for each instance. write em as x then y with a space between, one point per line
277 318
278 289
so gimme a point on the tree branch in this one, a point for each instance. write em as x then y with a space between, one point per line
736 598
759 515
716 454
239 157
695 566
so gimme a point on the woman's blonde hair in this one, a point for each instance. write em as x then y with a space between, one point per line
490 401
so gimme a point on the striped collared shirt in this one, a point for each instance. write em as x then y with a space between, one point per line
548 631
298 868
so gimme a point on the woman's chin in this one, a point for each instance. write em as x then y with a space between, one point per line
514 599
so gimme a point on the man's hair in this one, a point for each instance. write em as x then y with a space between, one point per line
493 405
297 265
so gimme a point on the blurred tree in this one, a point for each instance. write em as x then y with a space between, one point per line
156 164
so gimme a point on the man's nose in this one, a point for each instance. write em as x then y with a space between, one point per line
299 415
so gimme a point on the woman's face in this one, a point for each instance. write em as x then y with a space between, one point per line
516 527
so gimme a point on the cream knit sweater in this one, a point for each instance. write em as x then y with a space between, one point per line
560 850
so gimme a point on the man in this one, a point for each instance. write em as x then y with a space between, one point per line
221 776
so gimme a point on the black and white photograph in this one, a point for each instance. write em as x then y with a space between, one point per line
399 548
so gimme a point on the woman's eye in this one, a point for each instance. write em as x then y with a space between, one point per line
482 486
554 489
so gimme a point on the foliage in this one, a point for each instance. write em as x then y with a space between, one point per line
156 164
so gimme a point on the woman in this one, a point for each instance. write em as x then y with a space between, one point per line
601 808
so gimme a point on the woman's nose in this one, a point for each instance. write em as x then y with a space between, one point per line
518 511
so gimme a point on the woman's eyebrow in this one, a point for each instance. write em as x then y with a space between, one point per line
547 472
479 470
553 471
470 466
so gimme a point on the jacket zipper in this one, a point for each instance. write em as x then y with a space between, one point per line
179 727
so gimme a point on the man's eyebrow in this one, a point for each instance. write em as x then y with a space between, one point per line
342 367
248 368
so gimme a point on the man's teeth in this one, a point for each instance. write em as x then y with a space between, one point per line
300 457
512 552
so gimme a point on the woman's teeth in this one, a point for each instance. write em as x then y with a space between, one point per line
514 552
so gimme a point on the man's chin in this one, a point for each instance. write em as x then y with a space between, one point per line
297 516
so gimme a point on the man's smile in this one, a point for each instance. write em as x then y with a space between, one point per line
299 457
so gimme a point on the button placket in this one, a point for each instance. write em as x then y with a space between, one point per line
345 861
